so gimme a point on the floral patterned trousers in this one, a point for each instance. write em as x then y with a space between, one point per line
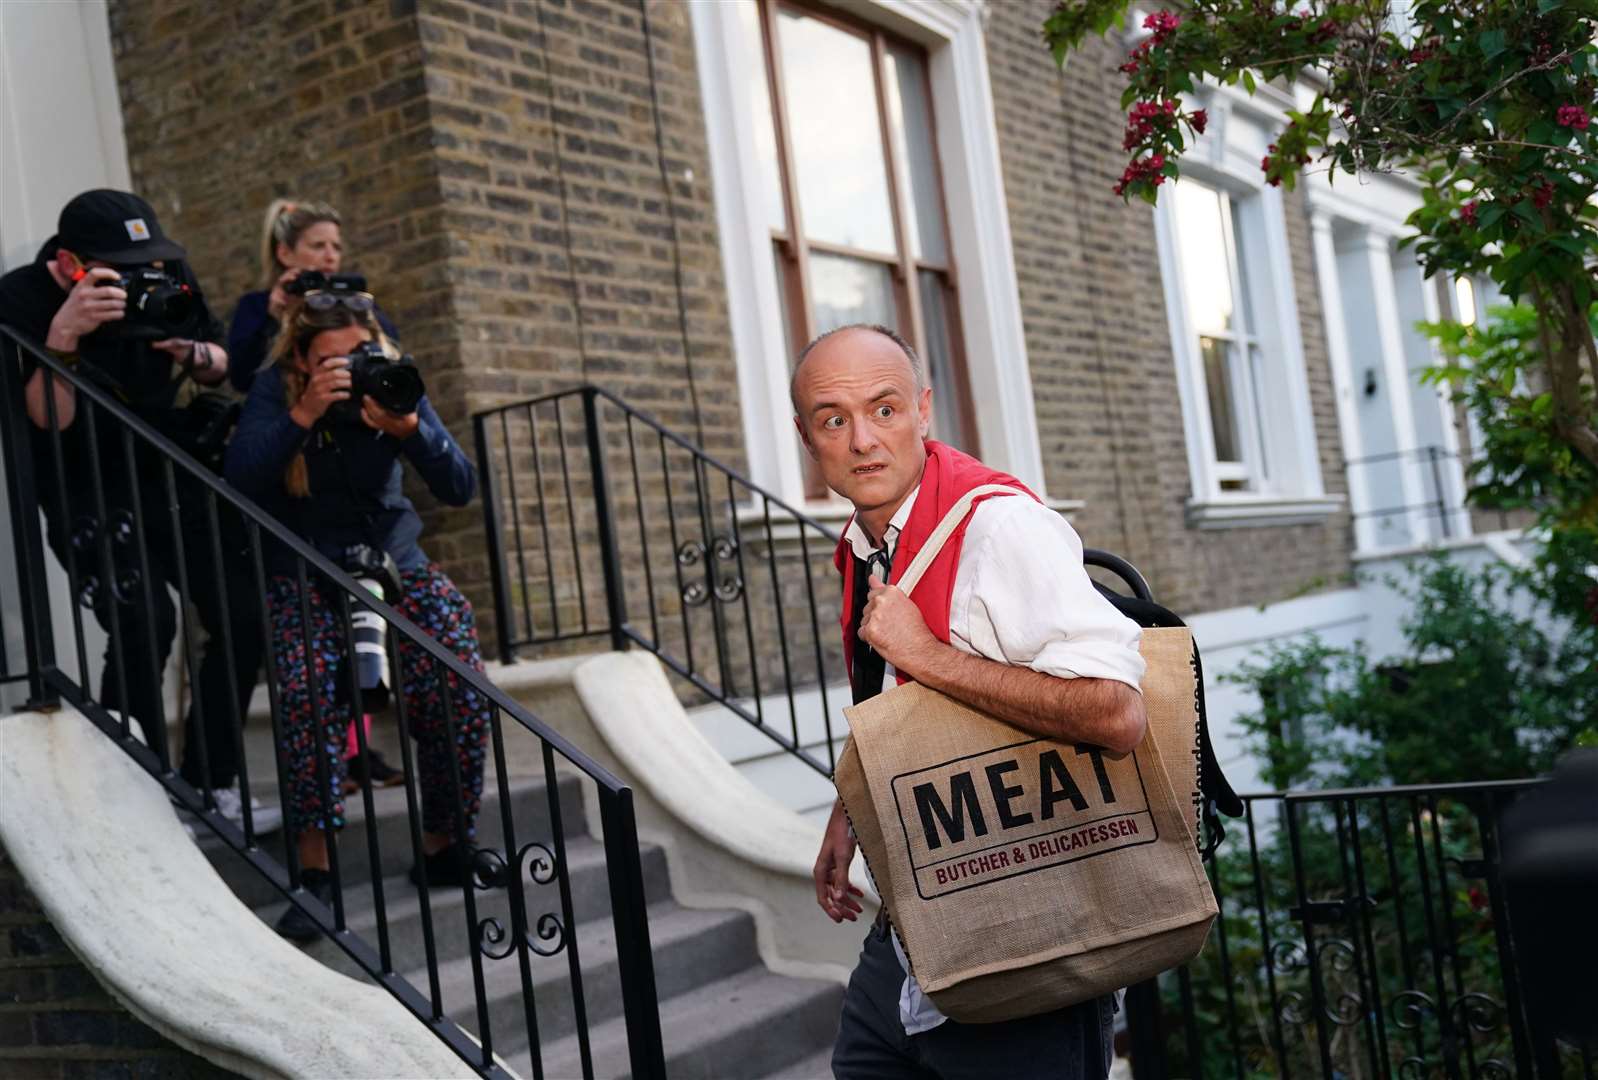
433 603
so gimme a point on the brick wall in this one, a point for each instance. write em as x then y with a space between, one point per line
430 126
1103 374
56 1021
562 223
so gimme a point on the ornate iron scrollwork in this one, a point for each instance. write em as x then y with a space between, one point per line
1288 956
1409 1009
540 866
721 549
88 533
1477 1010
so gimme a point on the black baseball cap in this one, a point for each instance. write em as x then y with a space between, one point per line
115 227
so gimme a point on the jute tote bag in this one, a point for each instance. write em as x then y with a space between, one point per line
1023 875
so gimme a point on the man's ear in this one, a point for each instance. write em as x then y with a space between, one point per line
924 412
804 437
70 264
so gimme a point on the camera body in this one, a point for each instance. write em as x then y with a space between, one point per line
159 306
396 385
316 281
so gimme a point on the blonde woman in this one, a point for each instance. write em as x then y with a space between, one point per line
333 474
296 236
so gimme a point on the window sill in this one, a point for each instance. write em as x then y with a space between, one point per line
1260 511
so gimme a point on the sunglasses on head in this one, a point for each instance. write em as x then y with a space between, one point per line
324 300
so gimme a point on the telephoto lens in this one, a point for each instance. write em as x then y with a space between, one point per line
370 633
374 570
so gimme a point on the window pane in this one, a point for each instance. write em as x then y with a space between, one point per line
1256 365
910 117
844 291
759 94
837 142
1223 416
1201 247
948 396
1249 324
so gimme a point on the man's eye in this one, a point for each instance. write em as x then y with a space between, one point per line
884 411
833 422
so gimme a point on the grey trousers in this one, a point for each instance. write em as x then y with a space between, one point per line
1069 1044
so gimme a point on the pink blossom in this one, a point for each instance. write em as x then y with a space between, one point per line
1573 116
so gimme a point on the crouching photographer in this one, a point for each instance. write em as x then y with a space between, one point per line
111 297
322 442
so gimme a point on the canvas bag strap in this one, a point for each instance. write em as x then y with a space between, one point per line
951 521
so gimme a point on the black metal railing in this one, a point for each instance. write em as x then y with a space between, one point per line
131 493
1363 933
1444 506
602 523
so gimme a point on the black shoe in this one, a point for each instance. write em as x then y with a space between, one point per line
383 774
447 867
294 924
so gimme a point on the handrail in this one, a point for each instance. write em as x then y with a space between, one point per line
712 515
94 408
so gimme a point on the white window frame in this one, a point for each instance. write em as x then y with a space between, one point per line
979 236
1288 488
1242 376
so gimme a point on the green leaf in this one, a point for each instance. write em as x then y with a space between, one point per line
1545 6
1248 81
1492 42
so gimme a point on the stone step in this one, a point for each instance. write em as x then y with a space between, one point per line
738 740
790 781
529 808
587 875
746 1025
691 949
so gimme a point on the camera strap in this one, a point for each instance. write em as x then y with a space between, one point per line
363 505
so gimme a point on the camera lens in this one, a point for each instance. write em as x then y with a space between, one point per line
398 388
370 635
172 306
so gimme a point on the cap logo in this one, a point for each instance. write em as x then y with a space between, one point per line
137 229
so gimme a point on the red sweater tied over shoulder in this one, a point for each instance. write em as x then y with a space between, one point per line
947 476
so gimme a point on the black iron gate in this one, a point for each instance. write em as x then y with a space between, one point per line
1363 935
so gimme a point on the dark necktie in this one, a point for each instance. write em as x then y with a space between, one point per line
865 675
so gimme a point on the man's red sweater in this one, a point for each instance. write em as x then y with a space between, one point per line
948 474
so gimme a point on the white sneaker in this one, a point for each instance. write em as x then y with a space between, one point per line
230 805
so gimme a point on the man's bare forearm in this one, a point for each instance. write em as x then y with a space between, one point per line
1102 712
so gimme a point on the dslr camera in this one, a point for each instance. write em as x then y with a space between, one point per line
394 384
159 306
316 281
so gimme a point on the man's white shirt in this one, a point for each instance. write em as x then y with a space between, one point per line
1021 596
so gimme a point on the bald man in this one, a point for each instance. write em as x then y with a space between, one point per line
1005 620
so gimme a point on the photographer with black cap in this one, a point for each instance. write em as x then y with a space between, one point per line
111 297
